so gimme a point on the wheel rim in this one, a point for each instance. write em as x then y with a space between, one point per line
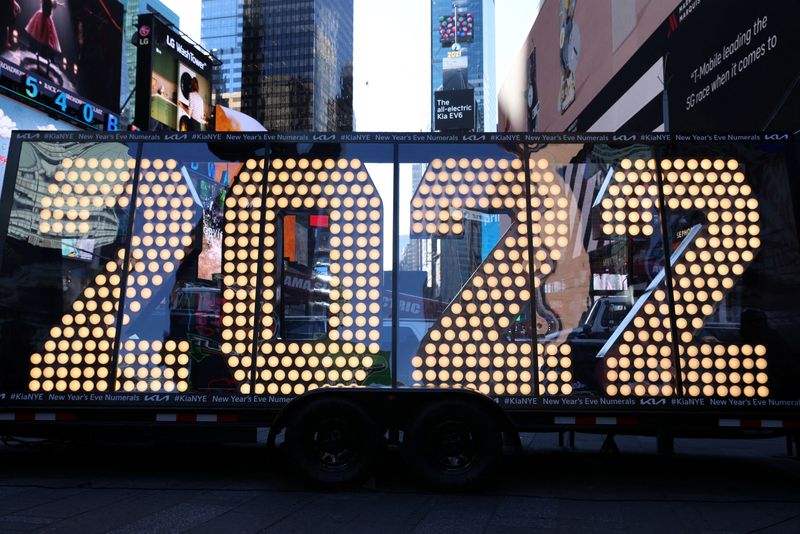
454 445
334 444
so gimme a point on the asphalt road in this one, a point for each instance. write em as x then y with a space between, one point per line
706 486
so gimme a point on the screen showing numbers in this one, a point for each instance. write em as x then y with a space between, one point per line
58 72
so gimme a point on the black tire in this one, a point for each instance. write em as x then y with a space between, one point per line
333 442
453 444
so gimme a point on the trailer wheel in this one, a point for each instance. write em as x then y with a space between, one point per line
453 444
333 442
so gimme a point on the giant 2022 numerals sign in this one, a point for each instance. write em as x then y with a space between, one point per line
466 347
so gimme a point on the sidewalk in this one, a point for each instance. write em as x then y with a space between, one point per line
706 486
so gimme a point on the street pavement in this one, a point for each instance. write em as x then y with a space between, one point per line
710 486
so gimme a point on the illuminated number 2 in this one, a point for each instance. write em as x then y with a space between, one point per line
78 354
468 347
706 265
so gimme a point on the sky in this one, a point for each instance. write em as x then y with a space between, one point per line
391 44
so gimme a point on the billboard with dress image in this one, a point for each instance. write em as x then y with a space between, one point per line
173 80
64 55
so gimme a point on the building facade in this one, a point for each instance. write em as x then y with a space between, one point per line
463 55
411 257
133 8
297 64
652 65
221 34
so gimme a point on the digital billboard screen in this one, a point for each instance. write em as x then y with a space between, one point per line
64 56
455 110
456 28
174 93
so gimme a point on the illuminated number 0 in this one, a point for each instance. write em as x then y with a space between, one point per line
345 191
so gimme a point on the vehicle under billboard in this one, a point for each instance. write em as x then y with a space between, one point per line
224 282
51 53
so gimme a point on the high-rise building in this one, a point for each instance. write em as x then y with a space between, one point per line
133 8
454 261
412 257
297 64
221 34
462 54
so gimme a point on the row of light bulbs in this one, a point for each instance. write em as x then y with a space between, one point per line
345 189
641 365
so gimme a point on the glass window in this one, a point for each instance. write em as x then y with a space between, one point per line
536 271
190 295
602 311
62 263
731 218
464 284
613 313
305 275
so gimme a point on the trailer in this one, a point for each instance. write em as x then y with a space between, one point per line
344 291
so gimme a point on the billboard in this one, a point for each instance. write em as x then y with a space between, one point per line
173 85
64 57
742 75
455 110
16 116
570 41
737 76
